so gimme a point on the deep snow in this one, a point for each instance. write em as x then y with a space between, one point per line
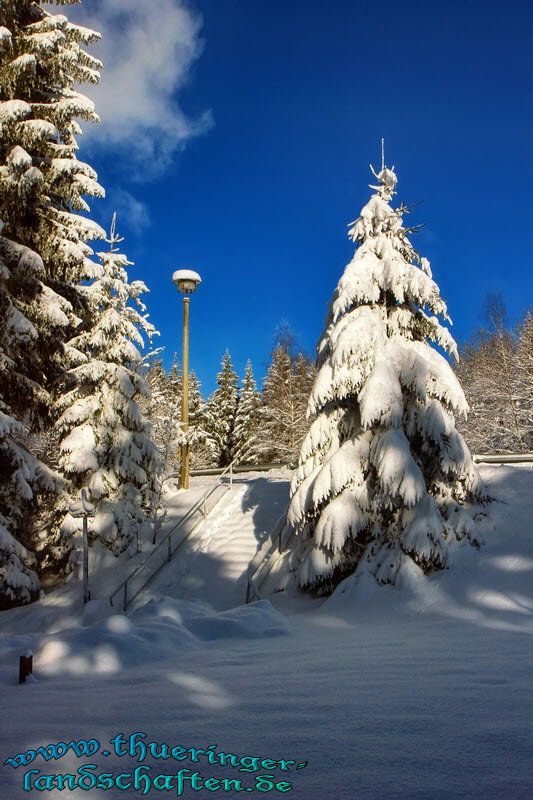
421 692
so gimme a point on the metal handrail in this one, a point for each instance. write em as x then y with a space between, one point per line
238 468
277 546
201 503
503 458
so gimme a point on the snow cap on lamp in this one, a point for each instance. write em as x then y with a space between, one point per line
187 280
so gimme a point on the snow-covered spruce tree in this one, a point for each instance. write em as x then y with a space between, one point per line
156 410
174 381
22 474
222 407
163 409
247 419
42 182
164 412
202 447
21 394
304 374
41 188
107 444
385 482
283 420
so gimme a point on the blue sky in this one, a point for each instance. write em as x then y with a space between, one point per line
236 137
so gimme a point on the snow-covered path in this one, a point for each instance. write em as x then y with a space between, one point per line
213 564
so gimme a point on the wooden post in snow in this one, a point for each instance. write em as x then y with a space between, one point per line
25 666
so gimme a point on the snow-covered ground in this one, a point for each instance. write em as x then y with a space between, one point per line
420 693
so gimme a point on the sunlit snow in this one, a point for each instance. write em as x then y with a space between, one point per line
419 691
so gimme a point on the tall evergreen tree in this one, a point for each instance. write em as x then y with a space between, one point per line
163 409
385 482
202 446
156 410
43 182
222 409
247 419
44 246
22 295
304 374
164 412
107 444
175 383
283 420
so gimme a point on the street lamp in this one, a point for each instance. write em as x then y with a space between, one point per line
186 280
84 509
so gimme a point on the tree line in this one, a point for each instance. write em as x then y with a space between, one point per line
237 422
496 371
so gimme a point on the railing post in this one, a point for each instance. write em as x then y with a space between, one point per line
169 547
231 475
125 600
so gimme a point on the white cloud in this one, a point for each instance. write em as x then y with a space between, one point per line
147 49
129 210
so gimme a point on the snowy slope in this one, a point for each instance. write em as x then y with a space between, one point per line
419 693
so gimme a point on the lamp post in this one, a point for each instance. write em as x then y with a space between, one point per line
187 281
84 509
